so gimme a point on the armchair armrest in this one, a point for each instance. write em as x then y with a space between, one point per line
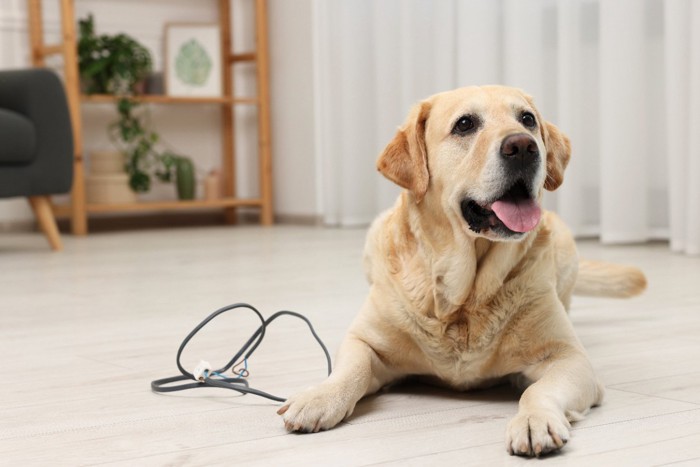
37 95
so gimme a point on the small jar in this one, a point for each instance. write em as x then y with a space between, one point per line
212 185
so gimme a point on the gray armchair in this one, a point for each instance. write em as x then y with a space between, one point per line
36 142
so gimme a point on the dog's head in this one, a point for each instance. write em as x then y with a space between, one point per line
480 154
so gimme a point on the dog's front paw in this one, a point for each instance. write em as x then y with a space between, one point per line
537 433
317 408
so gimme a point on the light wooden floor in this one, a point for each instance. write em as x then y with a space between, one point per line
84 331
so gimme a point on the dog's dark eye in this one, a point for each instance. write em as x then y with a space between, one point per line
464 125
528 120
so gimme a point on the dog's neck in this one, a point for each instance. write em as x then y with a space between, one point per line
466 271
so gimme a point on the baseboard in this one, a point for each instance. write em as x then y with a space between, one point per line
26 225
163 220
185 219
299 219
252 216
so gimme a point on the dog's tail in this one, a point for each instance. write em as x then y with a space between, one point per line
600 279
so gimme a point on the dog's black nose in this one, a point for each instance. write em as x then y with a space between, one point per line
520 149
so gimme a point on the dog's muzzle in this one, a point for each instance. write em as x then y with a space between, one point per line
515 211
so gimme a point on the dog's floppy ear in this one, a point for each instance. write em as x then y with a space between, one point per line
558 155
404 161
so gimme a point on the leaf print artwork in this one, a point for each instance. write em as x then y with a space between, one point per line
193 64
193 60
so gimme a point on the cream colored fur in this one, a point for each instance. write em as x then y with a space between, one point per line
463 308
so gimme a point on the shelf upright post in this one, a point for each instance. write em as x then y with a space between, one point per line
228 166
36 32
71 76
72 86
264 150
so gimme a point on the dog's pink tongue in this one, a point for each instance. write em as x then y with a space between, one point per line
519 216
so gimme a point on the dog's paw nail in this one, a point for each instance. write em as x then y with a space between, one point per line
282 410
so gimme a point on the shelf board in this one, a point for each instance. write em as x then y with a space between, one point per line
244 57
172 205
62 210
163 99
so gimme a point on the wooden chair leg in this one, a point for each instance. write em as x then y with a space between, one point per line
44 215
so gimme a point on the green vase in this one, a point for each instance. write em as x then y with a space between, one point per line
185 178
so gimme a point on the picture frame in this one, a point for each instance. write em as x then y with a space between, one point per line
192 66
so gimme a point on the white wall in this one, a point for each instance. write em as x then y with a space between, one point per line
194 130
292 91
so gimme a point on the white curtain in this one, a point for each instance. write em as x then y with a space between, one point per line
682 92
620 77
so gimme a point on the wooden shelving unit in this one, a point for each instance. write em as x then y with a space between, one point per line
78 209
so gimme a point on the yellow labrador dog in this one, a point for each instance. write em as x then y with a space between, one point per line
470 281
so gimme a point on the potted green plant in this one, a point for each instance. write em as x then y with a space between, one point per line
116 65
110 64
